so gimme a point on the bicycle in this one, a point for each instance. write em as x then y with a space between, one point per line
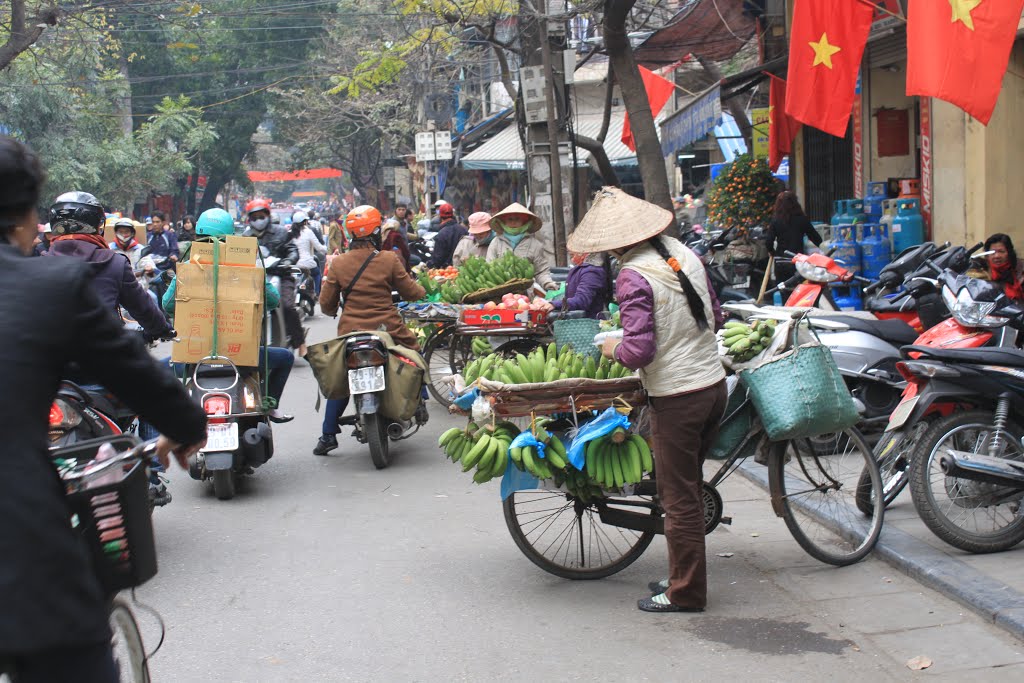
815 494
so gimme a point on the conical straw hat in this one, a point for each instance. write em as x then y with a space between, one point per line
514 209
617 220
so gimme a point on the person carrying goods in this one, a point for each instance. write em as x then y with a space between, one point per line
516 228
369 275
477 241
275 363
668 334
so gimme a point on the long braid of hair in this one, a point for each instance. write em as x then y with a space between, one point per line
692 297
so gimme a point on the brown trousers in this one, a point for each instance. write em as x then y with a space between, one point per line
683 429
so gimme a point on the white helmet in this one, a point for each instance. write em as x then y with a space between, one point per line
299 217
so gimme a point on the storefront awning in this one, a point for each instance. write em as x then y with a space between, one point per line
693 122
714 29
504 152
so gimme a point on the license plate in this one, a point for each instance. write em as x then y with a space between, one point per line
366 380
221 437
902 413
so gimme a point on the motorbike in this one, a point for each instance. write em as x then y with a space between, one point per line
981 316
305 293
274 326
967 469
239 437
366 358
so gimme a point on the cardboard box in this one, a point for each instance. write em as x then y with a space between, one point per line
499 317
234 251
239 313
238 331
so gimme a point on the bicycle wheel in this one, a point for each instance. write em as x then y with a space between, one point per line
129 652
893 453
818 496
566 537
975 516
436 354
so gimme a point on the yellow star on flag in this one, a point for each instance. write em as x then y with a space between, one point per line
962 11
823 51
771 110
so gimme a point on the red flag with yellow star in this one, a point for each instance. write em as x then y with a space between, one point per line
782 128
825 48
957 51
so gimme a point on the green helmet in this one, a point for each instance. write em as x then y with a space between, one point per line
216 223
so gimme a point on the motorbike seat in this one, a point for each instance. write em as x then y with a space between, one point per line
982 356
895 331
885 305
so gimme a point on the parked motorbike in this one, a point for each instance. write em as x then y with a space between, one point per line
967 469
366 357
239 437
982 316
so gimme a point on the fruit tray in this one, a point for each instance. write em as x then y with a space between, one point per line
563 395
501 317
495 293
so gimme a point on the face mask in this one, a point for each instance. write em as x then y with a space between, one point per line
124 241
259 224
514 239
516 231
487 238
578 259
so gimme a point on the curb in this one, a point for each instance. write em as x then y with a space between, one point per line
994 600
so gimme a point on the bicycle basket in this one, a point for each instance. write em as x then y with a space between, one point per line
735 425
114 519
579 335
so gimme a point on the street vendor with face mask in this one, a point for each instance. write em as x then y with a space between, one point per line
515 229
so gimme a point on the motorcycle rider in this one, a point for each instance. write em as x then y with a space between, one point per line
54 619
279 243
163 243
125 243
309 246
275 362
76 219
369 305
447 238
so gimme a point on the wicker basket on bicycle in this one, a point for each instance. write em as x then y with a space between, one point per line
573 394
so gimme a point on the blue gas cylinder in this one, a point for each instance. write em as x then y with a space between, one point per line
908 225
876 194
875 251
848 297
839 212
855 211
846 249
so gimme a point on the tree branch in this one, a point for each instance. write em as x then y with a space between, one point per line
25 33
600 156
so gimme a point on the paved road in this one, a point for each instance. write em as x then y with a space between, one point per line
324 569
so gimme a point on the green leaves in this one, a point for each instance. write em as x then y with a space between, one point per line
743 195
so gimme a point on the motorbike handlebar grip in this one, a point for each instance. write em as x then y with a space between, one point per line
976 247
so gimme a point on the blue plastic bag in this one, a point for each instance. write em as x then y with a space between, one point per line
515 480
606 423
465 401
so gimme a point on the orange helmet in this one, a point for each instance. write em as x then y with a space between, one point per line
258 204
362 221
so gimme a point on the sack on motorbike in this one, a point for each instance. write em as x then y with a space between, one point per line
404 377
801 393
327 361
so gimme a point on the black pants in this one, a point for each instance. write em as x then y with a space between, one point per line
83 664
292 321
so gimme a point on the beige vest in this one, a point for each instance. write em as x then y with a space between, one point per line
686 358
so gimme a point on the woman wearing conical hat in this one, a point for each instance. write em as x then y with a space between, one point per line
515 229
668 335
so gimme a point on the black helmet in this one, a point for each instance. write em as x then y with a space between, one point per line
76 213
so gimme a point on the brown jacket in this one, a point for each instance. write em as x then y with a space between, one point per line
369 306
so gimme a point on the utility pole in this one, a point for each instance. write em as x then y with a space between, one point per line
554 141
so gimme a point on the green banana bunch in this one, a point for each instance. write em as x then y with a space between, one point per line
578 484
617 459
743 341
475 274
485 449
480 347
547 364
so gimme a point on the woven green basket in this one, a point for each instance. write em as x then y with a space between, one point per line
579 335
734 427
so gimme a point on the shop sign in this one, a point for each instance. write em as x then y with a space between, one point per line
761 120
884 21
926 162
693 122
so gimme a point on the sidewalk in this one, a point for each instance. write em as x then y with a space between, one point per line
991 585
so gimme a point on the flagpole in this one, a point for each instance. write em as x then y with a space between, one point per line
883 10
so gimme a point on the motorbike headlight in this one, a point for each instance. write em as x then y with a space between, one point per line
815 273
969 312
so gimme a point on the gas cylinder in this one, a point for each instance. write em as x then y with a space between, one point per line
839 212
845 247
848 297
873 201
908 225
855 211
910 188
888 215
876 252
